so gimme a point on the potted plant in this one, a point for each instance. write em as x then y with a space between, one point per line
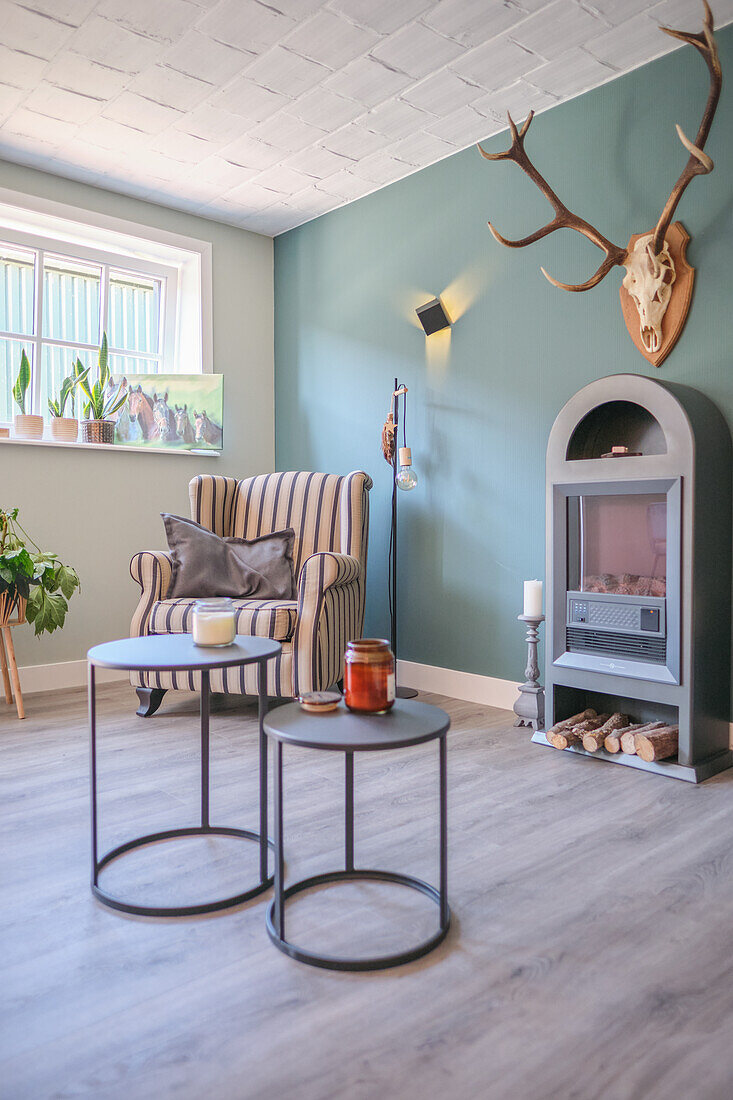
102 402
34 584
66 428
25 425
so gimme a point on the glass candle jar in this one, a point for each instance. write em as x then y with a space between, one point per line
212 622
369 676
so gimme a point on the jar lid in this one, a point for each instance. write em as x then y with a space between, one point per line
218 603
319 702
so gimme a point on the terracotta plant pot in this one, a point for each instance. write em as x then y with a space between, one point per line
27 426
98 431
64 429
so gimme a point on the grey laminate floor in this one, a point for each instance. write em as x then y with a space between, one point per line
591 954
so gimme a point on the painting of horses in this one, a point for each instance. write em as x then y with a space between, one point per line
181 412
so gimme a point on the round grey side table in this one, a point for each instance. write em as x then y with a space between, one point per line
407 723
177 653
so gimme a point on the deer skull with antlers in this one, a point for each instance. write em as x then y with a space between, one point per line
655 264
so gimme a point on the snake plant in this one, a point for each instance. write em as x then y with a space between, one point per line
101 402
22 382
68 390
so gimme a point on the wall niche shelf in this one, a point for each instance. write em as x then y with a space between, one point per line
616 424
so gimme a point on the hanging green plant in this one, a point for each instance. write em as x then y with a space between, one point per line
32 576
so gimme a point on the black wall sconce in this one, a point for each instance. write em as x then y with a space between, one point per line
433 317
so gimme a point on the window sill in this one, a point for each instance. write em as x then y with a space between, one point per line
204 453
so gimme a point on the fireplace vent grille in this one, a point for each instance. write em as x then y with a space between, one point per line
582 640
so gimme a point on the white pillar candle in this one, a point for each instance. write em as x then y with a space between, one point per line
212 623
533 599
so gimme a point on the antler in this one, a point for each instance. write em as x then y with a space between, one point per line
563 219
699 163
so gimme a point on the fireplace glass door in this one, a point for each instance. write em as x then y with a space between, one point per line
617 544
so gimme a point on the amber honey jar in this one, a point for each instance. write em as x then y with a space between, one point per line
369 676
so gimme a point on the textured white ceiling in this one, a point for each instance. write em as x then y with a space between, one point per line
266 114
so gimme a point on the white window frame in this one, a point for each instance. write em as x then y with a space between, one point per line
183 265
167 276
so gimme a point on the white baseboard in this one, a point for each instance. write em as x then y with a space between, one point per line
470 686
63 674
445 681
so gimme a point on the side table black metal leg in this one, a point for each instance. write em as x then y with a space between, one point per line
93 769
204 829
279 900
261 713
349 816
443 762
275 920
205 714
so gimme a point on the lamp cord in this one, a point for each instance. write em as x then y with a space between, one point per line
393 520
390 566
391 563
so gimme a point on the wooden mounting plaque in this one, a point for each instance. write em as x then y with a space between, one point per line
679 303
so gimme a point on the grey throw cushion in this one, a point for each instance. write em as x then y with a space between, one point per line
205 565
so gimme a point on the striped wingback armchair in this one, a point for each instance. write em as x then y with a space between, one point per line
330 516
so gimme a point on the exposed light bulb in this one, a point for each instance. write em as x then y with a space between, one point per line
406 476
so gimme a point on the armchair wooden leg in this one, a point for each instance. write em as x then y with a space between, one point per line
150 700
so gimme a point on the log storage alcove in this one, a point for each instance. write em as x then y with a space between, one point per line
639 578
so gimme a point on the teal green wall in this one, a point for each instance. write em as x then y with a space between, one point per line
478 423
97 508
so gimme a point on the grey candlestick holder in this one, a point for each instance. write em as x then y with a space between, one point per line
530 706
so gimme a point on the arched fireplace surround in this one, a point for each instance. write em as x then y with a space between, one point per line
639 566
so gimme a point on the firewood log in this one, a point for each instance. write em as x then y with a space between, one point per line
594 740
568 722
564 739
613 740
657 744
573 735
628 739
617 721
591 723
627 743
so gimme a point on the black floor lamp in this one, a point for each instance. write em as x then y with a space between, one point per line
404 478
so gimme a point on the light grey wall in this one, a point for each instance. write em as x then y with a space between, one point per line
97 508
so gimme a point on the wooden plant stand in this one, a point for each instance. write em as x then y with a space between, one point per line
11 614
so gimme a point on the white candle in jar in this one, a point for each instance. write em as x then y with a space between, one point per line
213 623
533 599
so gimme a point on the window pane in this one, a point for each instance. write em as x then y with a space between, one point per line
55 365
134 312
130 364
71 300
16 289
9 363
